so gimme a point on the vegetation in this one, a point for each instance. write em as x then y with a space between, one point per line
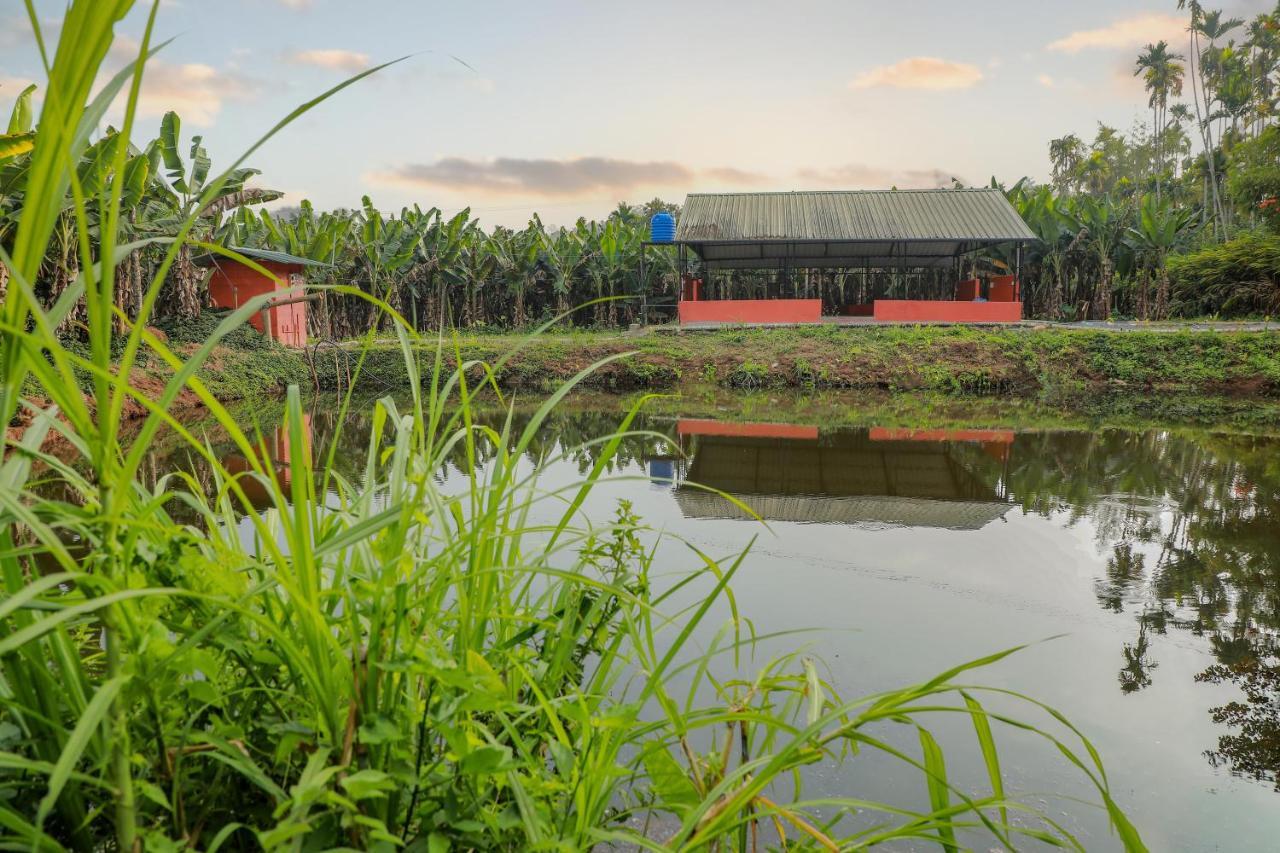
389 660
1117 210
951 360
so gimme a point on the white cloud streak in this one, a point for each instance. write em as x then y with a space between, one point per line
336 59
920 72
1124 33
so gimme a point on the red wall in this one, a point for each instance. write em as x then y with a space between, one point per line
695 426
752 311
233 284
922 311
981 436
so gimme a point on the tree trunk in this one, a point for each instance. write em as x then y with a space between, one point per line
1102 298
1162 292
1144 287
181 295
1053 310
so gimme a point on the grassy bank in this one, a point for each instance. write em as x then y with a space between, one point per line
950 360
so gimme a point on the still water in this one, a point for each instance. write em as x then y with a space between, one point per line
1153 557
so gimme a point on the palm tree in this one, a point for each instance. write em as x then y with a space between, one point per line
1207 26
1065 156
1162 74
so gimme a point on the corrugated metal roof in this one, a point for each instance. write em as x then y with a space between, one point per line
260 255
952 216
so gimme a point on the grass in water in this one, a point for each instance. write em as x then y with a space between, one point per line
391 662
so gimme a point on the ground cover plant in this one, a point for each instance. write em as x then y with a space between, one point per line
394 660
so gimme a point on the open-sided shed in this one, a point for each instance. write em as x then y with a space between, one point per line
893 229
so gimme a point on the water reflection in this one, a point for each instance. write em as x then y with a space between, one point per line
1186 523
876 477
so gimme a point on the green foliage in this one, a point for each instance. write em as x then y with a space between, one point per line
1254 177
1240 277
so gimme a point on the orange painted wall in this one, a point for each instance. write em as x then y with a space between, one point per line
968 290
752 311
922 311
233 284
696 426
981 436
1003 289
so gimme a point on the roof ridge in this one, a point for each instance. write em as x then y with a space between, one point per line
952 190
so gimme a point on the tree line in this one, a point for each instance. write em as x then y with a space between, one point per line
1176 218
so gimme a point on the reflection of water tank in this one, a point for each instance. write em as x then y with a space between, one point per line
662 472
662 228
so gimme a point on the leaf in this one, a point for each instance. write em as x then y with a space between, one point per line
20 118
939 797
153 793
364 784
170 133
486 760
86 727
672 785
987 742
16 144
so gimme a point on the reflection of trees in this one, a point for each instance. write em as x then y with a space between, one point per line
1253 747
1136 672
1193 526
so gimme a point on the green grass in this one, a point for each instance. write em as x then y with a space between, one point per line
954 360
381 661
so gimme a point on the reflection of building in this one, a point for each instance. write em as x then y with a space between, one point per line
279 455
907 478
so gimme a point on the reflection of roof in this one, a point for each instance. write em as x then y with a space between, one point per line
869 510
846 478
850 466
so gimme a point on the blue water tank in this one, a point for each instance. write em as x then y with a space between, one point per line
662 228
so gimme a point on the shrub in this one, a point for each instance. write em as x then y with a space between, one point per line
1238 278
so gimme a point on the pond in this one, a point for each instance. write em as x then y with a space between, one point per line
1151 555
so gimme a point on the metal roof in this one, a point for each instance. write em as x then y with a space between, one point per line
847 228
267 255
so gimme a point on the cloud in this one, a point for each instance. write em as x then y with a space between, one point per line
340 60
1130 32
856 176
513 176
737 177
920 72
1045 80
194 90
295 4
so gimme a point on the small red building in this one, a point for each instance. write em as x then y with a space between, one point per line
233 283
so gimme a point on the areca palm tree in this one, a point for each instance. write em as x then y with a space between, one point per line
1162 73
1065 157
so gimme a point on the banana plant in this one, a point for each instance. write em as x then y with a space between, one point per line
186 192
1161 228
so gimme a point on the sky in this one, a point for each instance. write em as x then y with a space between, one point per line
567 108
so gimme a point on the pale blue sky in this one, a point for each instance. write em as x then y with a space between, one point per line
572 106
